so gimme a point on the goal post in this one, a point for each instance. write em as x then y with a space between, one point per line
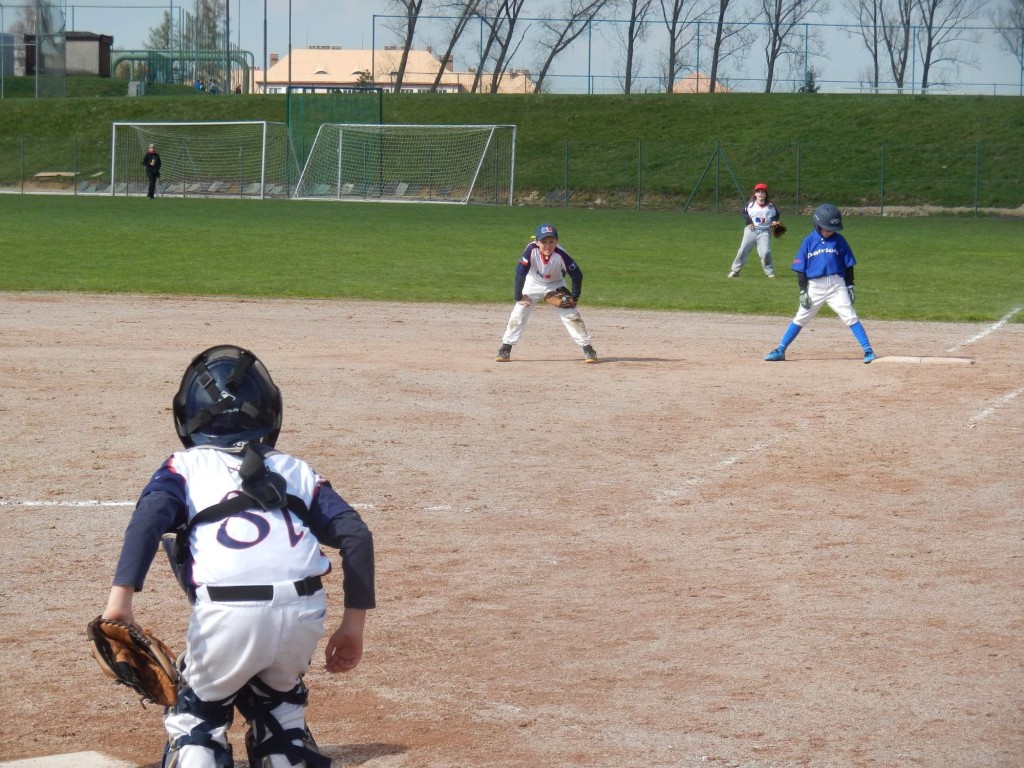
248 158
457 164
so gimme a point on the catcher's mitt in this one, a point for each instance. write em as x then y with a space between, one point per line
132 657
560 298
778 228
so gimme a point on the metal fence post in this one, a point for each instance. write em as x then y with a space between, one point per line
565 188
639 171
977 177
881 183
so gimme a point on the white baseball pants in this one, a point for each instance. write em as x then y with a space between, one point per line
829 290
762 238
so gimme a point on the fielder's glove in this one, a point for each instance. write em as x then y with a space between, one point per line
853 294
560 298
132 657
805 300
778 228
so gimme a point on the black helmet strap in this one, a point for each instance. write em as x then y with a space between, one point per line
224 400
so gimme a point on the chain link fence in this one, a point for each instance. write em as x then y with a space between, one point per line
973 178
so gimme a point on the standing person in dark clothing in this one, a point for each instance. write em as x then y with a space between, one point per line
152 163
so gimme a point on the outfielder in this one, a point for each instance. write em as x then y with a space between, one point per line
540 273
249 522
758 216
824 270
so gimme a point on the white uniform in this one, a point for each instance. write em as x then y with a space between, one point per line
543 275
229 643
761 216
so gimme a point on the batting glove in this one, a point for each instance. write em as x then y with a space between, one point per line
805 300
853 294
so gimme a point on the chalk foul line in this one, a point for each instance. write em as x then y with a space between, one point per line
991 329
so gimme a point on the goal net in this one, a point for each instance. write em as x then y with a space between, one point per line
230 159
411 163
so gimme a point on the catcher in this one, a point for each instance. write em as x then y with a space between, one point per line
540 275
247 523
761 222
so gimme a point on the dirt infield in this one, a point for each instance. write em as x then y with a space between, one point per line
683 556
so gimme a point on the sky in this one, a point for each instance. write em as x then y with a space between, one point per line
349 24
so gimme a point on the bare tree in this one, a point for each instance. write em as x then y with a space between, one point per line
1009 23
501 41
561 33
507 41
464 12
783 16
868 14
679 17
945 33
729 39
897 20
635 32
406 29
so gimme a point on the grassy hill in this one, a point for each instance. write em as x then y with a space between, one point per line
663 150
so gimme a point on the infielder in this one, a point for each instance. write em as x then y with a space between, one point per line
757 217
542 268
253 521
824 270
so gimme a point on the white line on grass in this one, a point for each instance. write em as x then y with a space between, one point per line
987 331
984 414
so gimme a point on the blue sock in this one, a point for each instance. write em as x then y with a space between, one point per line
789 335
861 335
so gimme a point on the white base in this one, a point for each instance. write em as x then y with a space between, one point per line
926 360
74 760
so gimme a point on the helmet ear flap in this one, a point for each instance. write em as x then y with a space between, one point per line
227 397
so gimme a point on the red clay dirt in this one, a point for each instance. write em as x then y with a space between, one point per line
682 556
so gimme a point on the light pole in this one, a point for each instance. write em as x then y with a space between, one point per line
289 89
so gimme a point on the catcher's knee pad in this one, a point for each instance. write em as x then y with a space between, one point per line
265 709
195 721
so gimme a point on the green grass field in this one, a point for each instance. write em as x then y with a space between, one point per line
924 268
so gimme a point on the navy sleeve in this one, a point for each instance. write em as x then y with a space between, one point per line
336 524
848 277
517 290
801 279
574 272
160 509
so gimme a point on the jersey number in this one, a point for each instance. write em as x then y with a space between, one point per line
262 527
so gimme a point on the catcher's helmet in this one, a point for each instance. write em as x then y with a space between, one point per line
827 216
227 397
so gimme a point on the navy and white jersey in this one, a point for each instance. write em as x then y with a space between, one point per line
253 546
761 216
820 256
547 270
536 272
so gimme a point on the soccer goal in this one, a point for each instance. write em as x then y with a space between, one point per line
411 164
228 159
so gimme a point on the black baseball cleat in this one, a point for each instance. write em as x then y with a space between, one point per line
589 355
504 354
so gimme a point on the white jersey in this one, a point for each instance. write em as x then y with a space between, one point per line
254 546
761 216
548 272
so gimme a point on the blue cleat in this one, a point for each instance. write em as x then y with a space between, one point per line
776 355
869 355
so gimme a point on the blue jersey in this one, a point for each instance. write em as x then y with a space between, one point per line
820 256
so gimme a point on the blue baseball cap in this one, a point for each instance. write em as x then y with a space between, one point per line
546 230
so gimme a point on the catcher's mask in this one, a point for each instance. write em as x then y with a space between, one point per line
227 397
827 216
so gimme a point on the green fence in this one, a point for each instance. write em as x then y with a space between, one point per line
707 176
